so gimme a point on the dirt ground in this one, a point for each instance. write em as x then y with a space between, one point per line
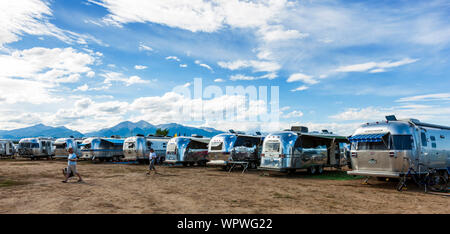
35 187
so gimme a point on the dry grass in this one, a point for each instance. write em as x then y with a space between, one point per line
35 187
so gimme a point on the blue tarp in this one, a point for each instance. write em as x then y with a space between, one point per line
367 138
115 141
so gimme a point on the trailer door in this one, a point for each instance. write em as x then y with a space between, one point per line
425 148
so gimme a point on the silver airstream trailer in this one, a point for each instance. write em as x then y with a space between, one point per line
187 150
102 149
138 147
34 148
289 150
391 148
227 149
63 144
7 148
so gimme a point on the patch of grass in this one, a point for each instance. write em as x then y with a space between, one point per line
334 175
9 183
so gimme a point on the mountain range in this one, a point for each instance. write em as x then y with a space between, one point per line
123 129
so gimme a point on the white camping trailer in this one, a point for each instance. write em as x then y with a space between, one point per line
7 148
289 150
390 148
63 144
34 148
226 149
103 149
138 147
187 150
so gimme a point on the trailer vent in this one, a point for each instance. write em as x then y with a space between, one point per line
299 129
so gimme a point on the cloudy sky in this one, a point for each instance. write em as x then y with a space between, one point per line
90 64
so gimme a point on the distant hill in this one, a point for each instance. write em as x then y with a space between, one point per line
123 129
127 128
39 130
182 130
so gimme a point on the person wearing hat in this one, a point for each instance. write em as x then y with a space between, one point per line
72 166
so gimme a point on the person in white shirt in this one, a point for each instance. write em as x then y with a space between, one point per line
72 166
152 159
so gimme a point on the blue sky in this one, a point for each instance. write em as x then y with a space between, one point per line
90 64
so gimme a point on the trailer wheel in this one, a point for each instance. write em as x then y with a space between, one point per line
185 164
312 170
319 169
440 181
291 171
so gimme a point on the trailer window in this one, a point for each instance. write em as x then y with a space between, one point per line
61 146
198 145
216 145
272 146
402 142
424 139
130 145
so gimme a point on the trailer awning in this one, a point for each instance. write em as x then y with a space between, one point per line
115 141
378 137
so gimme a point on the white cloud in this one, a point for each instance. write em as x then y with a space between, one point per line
82 88
278 33
116 76
293 114
258 66
140 67
203 65
269 76
300 88
242 77
28 91
90 74
31 17
218 80
51 65
193 15
302 77
31 75
173 58
427 97
183 65
144 47
374 66
429 113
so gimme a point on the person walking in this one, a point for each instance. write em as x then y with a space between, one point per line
72 166
152 159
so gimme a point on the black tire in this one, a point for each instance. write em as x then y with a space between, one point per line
185 164
319 170
291 171
381 178
312 170
438 182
